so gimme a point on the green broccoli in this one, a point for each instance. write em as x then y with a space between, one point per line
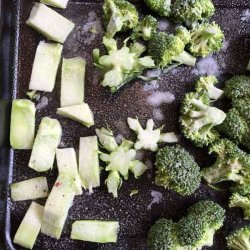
239 239
183 33
192 11
121 65
243 106
163 236
198 119
207 83
149 138
206 38
119 15
160 7
145 28
238 200
177 170
166 49
232 164
237 87
197 229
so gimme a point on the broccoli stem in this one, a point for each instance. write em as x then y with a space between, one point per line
214 93
185 58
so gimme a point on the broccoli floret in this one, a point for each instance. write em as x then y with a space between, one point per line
232 164
243 106
234 126
145 28
207 83
237 87
197 229
239 239
149 138
237 200
192 11
119 15
177 170
206 38
160 7
198 119
121 65
165 49
163 236
183 33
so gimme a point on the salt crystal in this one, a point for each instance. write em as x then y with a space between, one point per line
43 103
158 114
163 25
157 98
157 197
246 16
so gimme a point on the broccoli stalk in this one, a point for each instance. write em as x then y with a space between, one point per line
160 7
121 65
207 83
149 138
114 183
239 239
145 28
198 119
119 15
232 164
248 66
238 200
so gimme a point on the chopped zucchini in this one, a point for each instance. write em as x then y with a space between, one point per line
57 206
72 85
89 162
47 140
22 128
80 113
45 66
67 164
56 3
49 23
30 189
95 231
30 226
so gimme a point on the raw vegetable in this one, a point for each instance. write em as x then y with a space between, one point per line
89 162
72 81
30 226
49 23
57 205
248 66
22 128
107 139
30 189
148 138
160 7
56 3
239 239
45 66
80 113
47 139
67 164
95 231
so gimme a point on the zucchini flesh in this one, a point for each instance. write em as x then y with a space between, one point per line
30 226
56 3
89 162
47 139
67 164
22 128
30 189
72 83
57 206
80 113
95 231
45 66
49 23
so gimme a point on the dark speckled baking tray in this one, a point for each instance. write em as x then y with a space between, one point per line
132 212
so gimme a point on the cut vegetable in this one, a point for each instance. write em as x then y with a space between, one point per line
30 226
22 128
47 139
67 164
31 189
45 66
80 113
248 66
57 206
89 162
113 182
56 3
72 85
107 139
95 231
49 23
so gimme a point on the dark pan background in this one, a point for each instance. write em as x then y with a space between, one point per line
132 213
